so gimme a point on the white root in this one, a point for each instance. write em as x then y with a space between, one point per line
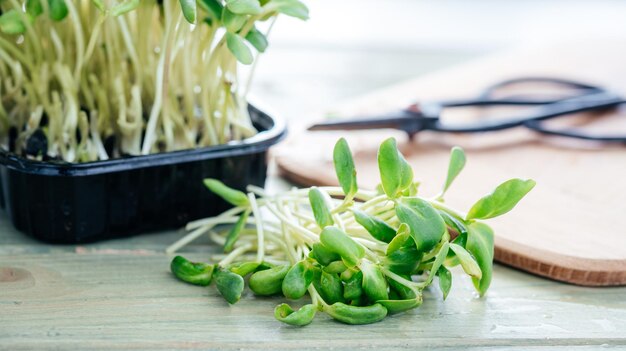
147 78
280 226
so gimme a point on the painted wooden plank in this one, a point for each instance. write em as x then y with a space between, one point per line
107 298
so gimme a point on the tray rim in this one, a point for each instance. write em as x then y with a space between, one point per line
255 144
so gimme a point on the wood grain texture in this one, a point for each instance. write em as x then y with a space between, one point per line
119 295
567 228
123 300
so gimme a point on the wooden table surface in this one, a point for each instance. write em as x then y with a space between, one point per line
120 295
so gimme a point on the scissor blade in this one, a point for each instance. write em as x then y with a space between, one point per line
402 120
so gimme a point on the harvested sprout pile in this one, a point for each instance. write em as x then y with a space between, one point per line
359 258
92 80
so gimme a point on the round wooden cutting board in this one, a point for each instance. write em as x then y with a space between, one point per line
570 227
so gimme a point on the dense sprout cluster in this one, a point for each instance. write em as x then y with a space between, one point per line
360 255
92 80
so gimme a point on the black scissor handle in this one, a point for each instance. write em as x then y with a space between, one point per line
584 88
561 108
488 97
538 125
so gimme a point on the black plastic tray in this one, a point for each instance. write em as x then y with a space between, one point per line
77 203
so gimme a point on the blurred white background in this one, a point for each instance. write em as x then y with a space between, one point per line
350 47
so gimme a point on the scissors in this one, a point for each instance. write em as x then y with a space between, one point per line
426 116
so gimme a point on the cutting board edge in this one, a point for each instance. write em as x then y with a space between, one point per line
574 270
301 179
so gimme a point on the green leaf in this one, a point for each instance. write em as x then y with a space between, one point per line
58 9
461 239
268 282
480 245
330 287
232 196
439 259
353 289
378 228
192 272
501 200
374 283
238 47
404 292
445 280
337 241
298 280
299 318
396 174
356 315
323 255
398 306
426 225
245 268
322 214
344 167
229 284
455 224
232 21
412 190
393 294
190 10
400 239
293 8
467 261
402 254
214 8
244 7
257 39
336 267
11 22
457 162
34 8
124 7
233 234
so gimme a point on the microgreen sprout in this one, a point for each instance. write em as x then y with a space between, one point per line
362 257
91 80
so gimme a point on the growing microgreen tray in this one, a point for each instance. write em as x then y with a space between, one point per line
76 203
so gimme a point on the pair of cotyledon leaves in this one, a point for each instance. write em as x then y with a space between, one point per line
425 222
15 21
232 14
396 177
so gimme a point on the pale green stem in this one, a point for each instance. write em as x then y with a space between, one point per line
259 228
